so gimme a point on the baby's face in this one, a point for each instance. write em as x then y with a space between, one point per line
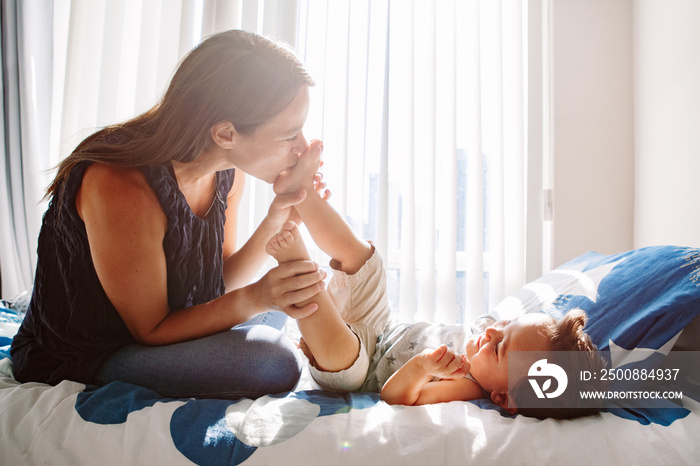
488 351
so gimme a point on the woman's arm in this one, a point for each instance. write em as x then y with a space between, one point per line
413 383
126 226
241 265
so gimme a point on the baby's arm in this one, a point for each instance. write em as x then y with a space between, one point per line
413 383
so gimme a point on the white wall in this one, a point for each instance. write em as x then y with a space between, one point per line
593 118
667 122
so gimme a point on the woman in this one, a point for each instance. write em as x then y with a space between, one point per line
138 275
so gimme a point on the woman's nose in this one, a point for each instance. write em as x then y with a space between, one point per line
302 143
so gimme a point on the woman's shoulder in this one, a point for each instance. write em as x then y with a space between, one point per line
115 186
115 180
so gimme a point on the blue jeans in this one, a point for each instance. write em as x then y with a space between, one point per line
250 360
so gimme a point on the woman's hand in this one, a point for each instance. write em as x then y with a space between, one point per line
288 284
282 209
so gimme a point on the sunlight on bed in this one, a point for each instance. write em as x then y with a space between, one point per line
267 420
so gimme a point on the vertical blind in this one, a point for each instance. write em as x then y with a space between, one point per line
421 108
420 105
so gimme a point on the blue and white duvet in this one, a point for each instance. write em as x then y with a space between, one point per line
71 424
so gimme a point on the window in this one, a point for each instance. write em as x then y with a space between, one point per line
421 108
424 108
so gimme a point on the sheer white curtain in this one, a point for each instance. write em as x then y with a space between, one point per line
420 105
114 59
421 108
26 105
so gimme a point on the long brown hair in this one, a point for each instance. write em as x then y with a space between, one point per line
234 76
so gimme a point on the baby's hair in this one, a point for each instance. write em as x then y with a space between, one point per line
567 333
575 351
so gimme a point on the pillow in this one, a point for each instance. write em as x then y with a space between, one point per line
642 298
10 321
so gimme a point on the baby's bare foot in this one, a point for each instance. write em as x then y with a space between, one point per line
302 174
287 245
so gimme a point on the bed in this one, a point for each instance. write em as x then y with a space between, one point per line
645 298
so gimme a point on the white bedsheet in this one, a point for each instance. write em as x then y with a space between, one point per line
46 425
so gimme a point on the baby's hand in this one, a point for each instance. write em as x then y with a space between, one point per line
444 363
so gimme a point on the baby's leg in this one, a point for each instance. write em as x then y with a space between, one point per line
328 228
331 342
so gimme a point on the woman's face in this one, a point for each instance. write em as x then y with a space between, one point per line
276 145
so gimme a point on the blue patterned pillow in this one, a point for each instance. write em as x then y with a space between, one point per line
637 299
10 321
641 299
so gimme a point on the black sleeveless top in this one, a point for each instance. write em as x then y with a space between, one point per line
71 326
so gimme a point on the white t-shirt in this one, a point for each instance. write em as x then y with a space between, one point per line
400 342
